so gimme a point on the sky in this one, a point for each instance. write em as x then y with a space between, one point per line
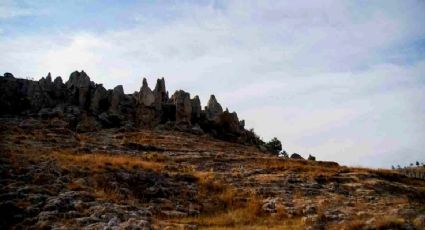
341 80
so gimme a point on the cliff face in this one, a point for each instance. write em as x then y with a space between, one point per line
87 106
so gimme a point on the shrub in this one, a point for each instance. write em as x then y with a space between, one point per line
274 145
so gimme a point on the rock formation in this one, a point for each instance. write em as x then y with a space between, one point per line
213 108
86 106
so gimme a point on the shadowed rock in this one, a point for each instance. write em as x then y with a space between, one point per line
213 108
86 106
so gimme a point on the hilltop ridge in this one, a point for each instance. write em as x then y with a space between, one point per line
87 106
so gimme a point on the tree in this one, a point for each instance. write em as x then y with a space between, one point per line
417 163
284 154
274 145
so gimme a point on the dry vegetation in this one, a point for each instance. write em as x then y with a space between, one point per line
178 180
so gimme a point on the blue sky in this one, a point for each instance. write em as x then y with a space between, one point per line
342 80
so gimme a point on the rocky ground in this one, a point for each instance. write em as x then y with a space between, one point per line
51 177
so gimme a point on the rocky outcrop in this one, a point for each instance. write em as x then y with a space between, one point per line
79 86
86 106
147 110
181 100
213 109
196 109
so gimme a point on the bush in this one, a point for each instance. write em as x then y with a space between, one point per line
274 146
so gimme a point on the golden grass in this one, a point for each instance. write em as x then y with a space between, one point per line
96 161
233 214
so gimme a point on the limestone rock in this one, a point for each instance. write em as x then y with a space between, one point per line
160 91
213 108
99 101
146 96
196 108
147 112
229 122
183 105
79 85
117 98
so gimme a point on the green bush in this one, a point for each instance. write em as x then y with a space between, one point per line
274 146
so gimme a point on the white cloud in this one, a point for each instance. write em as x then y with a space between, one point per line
311 73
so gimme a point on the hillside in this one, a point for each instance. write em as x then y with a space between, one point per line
75 155
53 177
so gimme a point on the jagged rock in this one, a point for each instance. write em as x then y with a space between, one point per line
59 89
46 84
160 91
183 105
146 96
99 101
196 108
79 86
311 158
147 112
113 108
117 98
213 108
242 124
296 156
230 122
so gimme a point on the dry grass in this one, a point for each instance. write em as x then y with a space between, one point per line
98 161
233 214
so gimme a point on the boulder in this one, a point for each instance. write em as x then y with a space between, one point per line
8 75
296 156
311 158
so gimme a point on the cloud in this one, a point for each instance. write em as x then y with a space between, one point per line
319 75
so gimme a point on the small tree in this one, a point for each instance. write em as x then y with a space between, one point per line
284 154
274 145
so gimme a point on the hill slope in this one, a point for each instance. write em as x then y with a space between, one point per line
52 177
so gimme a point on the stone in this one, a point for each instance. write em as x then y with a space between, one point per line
174 213
116 99
160 92
99 101
183 105
196 108
229 122
8 75
269 205
146 96
296 156
213 108
311 158
79 85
